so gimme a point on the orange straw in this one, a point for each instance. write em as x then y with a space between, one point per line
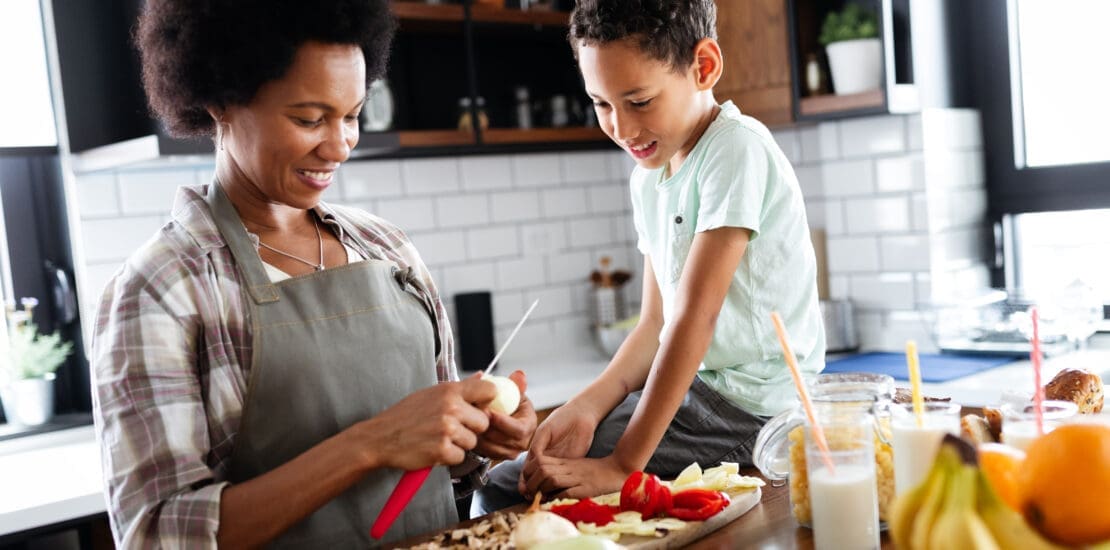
1035 357
792 362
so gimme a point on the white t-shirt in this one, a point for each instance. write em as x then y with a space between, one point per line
276 274
737 176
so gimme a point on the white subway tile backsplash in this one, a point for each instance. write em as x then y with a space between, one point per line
853 254
919 211
790 143
951 129
408 214
470 277
430 176
872 136
618 257
850 177
115 239
883 291
486 173
915 135
536 170
815 214
620 165
555 301
591 232
440 247
589 167
951 169
839 286
834 218
608 199
810 182
371 179
923 289
906 253
493 242
901 173
151 192
97 194
569 267
462 210
564 202
516 206
520 273
508 306
820 142
542 239
878 215
96 276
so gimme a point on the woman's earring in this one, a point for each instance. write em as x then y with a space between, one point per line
220 135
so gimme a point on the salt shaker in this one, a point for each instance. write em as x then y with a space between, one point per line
523 108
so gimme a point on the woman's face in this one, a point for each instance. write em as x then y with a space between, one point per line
286 144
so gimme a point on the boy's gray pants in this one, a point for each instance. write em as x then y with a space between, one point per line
707 429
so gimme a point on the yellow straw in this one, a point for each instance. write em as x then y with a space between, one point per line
915 382
818 433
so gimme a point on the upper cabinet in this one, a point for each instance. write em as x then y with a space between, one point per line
462 78
753 38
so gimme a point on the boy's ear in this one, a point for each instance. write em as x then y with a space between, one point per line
708 63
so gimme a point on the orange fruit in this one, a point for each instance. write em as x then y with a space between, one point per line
1064 484
1002 464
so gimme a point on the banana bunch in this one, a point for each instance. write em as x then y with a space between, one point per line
956 508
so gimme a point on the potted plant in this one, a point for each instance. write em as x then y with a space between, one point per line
28 360
851 39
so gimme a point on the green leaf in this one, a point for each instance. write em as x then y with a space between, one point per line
852 23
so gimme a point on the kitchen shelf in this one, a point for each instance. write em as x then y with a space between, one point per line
487 14
434 138
503 136
830 103
419 11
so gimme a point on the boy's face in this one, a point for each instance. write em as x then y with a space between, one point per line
642 104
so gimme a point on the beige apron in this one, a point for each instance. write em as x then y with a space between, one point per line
331 349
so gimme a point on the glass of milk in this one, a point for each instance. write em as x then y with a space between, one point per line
844 500
915 447
1019 424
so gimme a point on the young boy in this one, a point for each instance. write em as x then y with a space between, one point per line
723 230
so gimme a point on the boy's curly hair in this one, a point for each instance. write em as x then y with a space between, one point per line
201 53
666 30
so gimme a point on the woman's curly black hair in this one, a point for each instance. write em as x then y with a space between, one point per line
666 30
202 53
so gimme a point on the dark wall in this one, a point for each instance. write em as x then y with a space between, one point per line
38 242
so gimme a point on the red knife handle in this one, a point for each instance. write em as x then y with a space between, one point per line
404 491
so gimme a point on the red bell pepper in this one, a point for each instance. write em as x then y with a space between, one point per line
697 504
586 511
644 493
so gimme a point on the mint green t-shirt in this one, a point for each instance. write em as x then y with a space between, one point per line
736 176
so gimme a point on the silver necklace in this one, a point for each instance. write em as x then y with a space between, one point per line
319 239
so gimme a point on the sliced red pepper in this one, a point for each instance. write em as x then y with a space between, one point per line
697 504
586 511
644 493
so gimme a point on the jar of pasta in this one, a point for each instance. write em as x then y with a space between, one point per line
780 453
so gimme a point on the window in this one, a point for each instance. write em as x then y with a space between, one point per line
1060 78
25 106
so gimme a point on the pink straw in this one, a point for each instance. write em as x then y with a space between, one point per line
1038 395
792 362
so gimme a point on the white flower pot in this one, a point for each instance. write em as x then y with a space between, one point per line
856 65
29 402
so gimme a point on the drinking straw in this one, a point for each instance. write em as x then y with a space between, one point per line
807 404
1035 357
915 382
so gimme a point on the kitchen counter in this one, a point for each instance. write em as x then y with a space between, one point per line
55 477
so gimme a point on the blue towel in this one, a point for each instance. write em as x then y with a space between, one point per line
934 367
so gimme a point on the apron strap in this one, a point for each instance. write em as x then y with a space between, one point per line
227 220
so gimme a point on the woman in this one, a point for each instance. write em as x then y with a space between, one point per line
267 365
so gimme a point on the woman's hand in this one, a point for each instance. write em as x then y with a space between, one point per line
567 433
573 477
435 425
508 435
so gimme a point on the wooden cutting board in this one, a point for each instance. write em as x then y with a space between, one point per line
742 501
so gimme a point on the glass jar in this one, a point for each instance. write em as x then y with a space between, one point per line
779 451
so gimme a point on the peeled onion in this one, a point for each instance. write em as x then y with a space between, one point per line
508 394
540 527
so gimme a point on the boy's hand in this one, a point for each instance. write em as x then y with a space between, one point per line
574 477
567 433
508 436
